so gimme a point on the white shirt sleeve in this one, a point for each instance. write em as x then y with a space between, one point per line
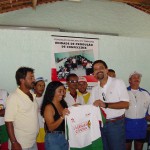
11 108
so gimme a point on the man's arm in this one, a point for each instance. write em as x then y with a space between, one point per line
147 117
2 112
116 105
14 143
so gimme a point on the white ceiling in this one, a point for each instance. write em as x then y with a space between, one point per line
92 16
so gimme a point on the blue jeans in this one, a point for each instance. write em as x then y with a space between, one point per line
113 135
55 141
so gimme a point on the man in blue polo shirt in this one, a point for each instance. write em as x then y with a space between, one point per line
135 121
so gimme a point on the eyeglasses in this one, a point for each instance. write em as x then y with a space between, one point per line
104 96
73 81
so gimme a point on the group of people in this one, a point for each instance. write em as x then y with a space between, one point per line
33 119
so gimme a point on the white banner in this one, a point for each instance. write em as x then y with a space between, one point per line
73 55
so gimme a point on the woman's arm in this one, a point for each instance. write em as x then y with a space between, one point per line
49 117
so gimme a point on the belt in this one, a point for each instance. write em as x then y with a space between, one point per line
115 119
56 132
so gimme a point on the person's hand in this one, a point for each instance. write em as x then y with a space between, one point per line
65 112
76 104
99 103
147 117
16 146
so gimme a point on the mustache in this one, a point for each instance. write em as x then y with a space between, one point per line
99 72
137 80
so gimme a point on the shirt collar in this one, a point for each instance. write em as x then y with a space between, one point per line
129 88
22 93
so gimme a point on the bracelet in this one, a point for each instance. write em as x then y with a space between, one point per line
61 118
106 105
13 142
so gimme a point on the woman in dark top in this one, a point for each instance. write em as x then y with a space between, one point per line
54 109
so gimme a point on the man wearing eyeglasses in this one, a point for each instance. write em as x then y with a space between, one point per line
112 96
73 96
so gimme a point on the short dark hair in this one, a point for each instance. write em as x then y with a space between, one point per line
111 70
71 75
21 73
101 62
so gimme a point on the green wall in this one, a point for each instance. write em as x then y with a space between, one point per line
33 49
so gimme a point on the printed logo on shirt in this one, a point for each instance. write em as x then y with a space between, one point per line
82 127
89 124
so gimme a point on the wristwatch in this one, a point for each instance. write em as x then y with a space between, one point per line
106 105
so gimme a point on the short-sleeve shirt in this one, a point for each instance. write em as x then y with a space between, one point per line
113 91
71 101
83 128
24 114
139 104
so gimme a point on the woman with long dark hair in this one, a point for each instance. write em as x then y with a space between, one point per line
54 109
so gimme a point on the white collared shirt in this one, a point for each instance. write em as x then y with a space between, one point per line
24 114
138 105
113 91
71 101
